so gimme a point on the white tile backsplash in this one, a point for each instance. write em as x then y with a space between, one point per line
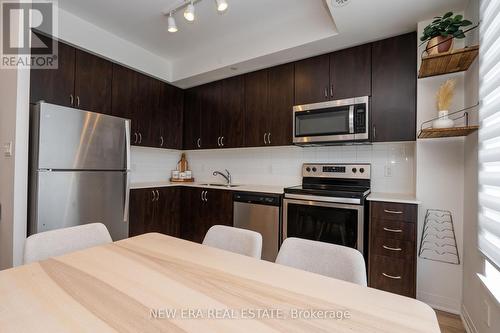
282 165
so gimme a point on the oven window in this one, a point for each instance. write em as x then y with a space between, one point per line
333 121
325 224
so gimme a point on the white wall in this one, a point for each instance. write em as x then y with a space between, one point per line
282 165
440 185
14 118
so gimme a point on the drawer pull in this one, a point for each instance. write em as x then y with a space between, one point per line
392 248
392 277
393 230
388 211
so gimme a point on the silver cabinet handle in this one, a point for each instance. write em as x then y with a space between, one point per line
391 276
392 248
222 141
206 196
202 192
161 141
154 195
265 142
78 101
374 132
218 142
393 230
198 142
157 195
135 137
269 138
71 100
331 90
388 211
140 137
326 92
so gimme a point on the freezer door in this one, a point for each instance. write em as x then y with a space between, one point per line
65 199
70 139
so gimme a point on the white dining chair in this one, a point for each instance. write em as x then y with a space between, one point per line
242 241
61 241
339 262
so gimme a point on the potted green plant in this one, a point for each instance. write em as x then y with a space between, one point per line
442 30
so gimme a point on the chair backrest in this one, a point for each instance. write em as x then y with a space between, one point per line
242 241
331 260
58 242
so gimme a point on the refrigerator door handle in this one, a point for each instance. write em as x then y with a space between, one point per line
127 145
127 197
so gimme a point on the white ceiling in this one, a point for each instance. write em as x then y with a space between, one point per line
252 34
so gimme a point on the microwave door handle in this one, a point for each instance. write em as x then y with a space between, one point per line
351 119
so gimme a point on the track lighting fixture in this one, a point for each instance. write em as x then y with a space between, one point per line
189 12
172 26
221 5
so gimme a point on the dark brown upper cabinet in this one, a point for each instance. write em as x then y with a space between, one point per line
210 105
350 72
55 86
170 116
312 80
192 119
280 116
232 113
394 82
93 77
339 75
256 108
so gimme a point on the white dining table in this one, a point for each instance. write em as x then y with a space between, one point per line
157 283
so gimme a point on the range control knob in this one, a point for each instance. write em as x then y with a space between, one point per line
362 170
308 169
314 169
354 170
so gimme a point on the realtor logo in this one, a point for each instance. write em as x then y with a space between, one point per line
24 28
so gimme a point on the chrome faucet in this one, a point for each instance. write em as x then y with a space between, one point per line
226 177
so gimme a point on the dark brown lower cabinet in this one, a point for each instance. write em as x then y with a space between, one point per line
202 209
155 210
393 247
185 212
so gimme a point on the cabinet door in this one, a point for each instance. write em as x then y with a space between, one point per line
171 105
232 112
148 105
210 114
256 108
168 211
93 77
394 82
192 119
55 86
193 222
219 208
281 85
350 72
124 98
141 212
312 80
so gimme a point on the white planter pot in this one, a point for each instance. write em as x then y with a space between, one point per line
443 121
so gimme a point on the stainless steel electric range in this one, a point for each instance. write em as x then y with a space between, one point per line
330 205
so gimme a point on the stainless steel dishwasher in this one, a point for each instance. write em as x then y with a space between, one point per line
261 213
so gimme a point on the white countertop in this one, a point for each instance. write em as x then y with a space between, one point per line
240 188
408 198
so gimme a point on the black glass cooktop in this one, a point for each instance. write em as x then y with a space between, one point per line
360 192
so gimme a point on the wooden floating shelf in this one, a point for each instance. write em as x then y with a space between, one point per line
430 133
445 63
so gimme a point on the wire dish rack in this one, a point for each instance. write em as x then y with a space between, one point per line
438 240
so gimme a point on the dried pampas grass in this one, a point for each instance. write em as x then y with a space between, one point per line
445 95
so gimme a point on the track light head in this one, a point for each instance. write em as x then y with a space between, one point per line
172 26
189 12
221 5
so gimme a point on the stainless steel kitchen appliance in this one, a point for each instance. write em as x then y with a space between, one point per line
331 122
330 205
261 213
79 171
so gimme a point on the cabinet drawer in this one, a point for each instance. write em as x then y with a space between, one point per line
394 211
393 248
393 229
392 275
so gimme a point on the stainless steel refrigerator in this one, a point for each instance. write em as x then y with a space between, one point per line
80 163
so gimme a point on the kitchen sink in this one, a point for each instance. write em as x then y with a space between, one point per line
221 185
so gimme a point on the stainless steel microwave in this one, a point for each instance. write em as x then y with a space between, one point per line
332 122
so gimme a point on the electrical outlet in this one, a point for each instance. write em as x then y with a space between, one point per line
7 149
487 313
388 170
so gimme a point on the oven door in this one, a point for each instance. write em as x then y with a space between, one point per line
340 224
